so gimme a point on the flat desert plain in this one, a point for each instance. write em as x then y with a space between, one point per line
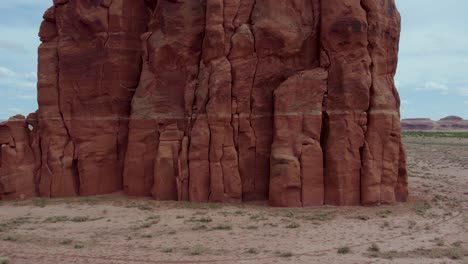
430 228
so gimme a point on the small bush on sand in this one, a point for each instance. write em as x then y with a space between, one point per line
344 250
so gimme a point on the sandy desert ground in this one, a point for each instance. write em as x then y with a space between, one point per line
431 228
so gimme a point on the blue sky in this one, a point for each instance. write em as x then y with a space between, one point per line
432 73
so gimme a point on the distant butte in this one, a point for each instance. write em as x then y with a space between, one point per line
288 101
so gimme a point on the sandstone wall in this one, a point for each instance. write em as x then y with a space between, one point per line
89 67
291 101
18 159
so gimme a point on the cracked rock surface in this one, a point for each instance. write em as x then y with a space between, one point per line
291 101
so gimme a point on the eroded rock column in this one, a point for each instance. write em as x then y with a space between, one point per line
89 67
286 42
297 177
156 161
344 37
381 155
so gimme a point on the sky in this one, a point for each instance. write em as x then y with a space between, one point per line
432 75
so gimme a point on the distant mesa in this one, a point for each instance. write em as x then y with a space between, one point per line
452 118
449 123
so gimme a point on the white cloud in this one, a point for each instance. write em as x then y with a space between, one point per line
434 86
14 110
12 47
26 96
20 85
5 72
28 86
405 102
23 3
463 91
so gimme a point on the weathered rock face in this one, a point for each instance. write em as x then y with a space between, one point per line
18 161
89 67
222 101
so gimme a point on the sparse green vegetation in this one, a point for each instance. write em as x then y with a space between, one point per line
285 254
190 205
384 213
167 250
200 213
201 219
79 219
271 224
76 219
144 207
66 242
436 134
344 250
140 205
457 244
422 208
78 246
13 223
439 241
386 224
148 224
56 219
153 217
374 248
197 250
258 217
361 217
222 227
321 217
293 225
199 227
252 251
39 202
10 239
434 253
4 260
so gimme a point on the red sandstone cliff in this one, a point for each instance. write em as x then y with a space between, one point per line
217 101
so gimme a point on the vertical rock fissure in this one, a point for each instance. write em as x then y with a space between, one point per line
69 140
369 51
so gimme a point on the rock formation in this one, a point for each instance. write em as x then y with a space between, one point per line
89 67
449 123
18 164
291 101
